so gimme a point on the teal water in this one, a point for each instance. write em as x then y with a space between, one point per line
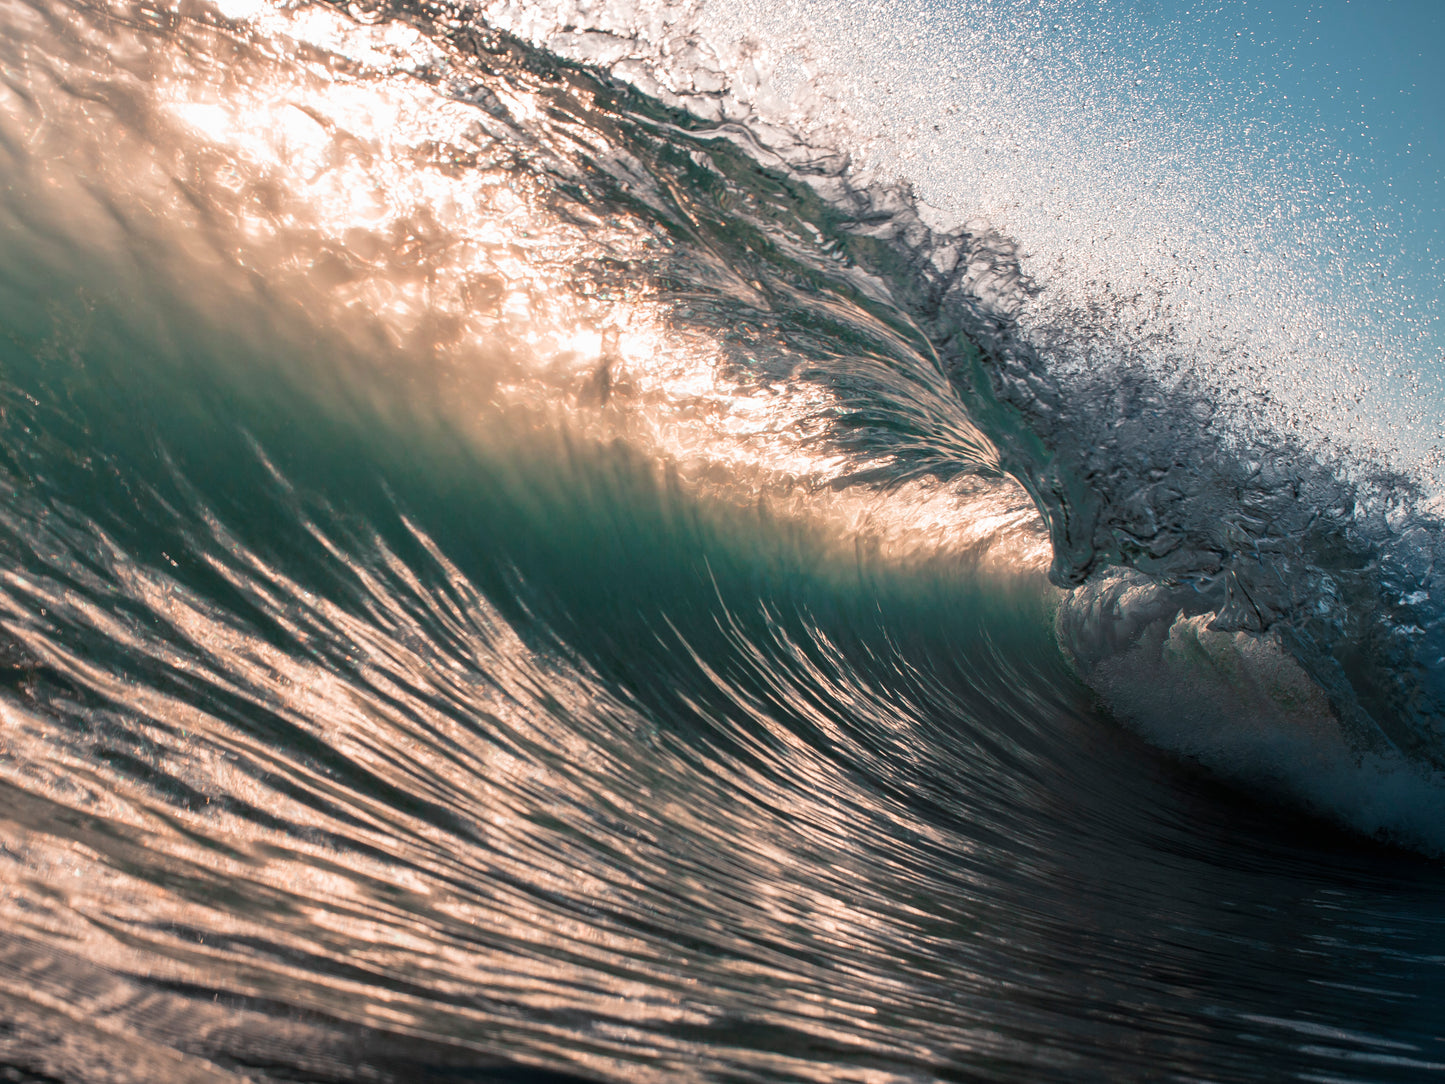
505 578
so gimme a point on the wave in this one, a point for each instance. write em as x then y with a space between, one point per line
498 563
1325 555
1137 456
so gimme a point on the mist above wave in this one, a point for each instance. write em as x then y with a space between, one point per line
1150 164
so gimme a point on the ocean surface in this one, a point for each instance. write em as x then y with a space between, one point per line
682 540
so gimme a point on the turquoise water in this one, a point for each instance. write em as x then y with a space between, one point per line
519 569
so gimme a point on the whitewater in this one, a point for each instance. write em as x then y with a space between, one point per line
648 541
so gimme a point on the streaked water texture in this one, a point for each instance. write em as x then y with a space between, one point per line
512 570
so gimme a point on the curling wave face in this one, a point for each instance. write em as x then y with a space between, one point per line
500 567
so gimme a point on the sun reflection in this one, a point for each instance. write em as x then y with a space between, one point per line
387 212
382 207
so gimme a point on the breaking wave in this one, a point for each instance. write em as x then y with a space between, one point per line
513 564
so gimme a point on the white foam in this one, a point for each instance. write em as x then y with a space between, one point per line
1241 706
